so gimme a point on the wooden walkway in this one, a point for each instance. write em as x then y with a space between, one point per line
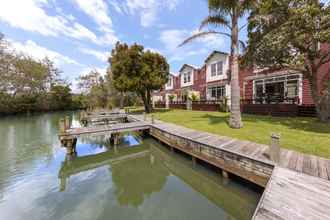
109 117
308 164
104 129
296 196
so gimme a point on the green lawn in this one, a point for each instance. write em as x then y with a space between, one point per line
300 134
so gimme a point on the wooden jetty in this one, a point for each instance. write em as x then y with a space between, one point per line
287 174
293 195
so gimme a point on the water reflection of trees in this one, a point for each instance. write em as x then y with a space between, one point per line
137 179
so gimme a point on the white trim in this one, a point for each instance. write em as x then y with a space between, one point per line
300 84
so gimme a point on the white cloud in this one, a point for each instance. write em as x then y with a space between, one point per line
30 15
102 56
98 11
38 52
172 38
147 10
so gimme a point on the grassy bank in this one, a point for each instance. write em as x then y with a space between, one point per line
305 135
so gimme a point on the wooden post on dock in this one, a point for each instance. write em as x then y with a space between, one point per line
144 116
274 149
67 122
152 119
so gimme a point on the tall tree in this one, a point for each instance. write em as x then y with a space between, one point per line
139 71
288 34
95 87
226 13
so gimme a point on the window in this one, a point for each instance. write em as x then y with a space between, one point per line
219 68
216 69
217 92
213 69
186 77
277 88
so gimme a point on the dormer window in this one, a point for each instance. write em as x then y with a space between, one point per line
216 69
186 77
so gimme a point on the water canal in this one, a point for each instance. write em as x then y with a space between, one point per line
141 179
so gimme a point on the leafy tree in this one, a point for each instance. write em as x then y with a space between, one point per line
288 34
226 13
95 87
60 97
139 71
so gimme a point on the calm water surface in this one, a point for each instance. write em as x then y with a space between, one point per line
141 179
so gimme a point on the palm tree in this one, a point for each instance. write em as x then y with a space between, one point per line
226 13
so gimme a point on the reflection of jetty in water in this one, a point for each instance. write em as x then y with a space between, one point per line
139 171
74 164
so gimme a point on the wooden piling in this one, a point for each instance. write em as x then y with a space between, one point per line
62 126
274 149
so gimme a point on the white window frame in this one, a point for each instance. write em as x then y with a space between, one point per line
222 88
275 79
186 76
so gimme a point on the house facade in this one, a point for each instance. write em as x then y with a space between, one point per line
257 86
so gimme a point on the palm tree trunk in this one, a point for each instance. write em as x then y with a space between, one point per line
235 120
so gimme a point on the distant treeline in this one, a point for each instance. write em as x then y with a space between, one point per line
29 85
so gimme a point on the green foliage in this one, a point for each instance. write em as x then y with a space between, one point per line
29 85
223 106
288 33
138 71
171 97
194 97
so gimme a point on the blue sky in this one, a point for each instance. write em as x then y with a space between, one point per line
79 34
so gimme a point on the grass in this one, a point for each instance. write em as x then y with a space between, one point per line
305 135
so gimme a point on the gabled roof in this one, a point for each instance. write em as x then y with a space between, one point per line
187 65
213 53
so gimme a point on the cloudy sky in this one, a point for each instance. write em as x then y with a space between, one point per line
79 34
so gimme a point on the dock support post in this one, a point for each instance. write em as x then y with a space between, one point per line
172 149
144 116
67 122
115 138
62 126
274 149
225 174
193 160
70 146
152 119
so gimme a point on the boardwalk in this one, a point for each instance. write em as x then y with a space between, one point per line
308 164
293 195
104 129
105 117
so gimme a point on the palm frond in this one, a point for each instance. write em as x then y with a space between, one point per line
215 20
203 34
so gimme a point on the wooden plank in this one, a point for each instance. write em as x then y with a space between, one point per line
299 164
293 195
293 161
322 168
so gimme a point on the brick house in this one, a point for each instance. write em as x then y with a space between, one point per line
282 85
258 86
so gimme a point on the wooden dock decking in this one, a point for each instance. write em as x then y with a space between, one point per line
104 129
296 196
299 186
308 164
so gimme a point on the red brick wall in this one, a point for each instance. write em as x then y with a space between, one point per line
200 81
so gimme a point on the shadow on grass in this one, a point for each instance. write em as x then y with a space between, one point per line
216 119
296 123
